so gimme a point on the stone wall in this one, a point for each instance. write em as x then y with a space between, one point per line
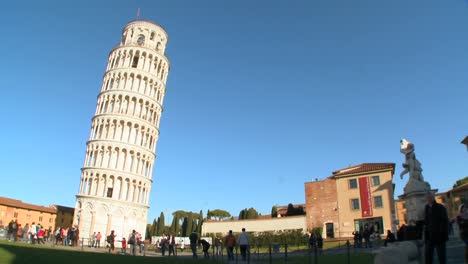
256 225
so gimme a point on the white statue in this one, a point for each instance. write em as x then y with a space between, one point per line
413 167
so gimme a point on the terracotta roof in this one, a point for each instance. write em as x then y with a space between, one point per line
20 204
64 208
364 167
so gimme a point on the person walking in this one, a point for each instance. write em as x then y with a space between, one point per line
462 221
193 244
230 242
33 232
163 244
132 242
244 244
390 238
26 233
435 230
172 243
320 244
111 240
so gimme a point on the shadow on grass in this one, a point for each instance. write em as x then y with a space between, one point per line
26 254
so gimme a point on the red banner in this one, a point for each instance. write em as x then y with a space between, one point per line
366 197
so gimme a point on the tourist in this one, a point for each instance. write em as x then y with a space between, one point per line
312 241
92 239
123 250
132 242
462 221
69 236
401 232
366 235
244 244
320 243
98 240
230 243
64 236
140 242
206 246
390 238
33 232
182 244
111 239
26 233
193 244
40 236
163 244
15 230
436 230
356 239
171 243
218 246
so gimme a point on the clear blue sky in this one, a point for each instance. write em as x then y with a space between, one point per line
262 96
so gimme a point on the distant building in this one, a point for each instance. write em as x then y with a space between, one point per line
64 216
450 199
11 209
352 198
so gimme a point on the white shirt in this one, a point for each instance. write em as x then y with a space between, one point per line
243 239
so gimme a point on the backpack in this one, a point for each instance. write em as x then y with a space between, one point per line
131 240
110 239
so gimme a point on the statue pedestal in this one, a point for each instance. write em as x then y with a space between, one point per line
415 203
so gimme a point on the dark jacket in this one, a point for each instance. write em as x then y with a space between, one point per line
435 223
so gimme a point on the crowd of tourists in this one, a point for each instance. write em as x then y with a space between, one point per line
34 233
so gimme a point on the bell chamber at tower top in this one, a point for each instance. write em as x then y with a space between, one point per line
145 34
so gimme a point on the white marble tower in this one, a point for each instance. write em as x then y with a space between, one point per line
117 173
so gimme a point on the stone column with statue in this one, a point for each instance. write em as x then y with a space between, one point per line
416 188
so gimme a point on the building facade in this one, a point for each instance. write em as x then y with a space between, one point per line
25 213
117 173
64 216
351 199
256 225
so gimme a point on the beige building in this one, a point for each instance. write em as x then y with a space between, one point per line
262 224
352 198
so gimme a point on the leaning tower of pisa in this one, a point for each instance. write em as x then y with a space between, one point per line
117 173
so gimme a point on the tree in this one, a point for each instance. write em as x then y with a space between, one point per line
460 182
154 226
250 213
218 214
200 222
148 231
294 210
161 224
274 211
184 226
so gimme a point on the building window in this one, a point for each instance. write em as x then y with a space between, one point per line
378 202
62 220
50 220
109 192
353 183
135 62
375 180
355 204
40 218
141 40
15 214
28 217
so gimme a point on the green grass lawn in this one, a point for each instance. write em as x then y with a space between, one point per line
20 253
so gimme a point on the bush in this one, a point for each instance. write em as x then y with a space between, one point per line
317 230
